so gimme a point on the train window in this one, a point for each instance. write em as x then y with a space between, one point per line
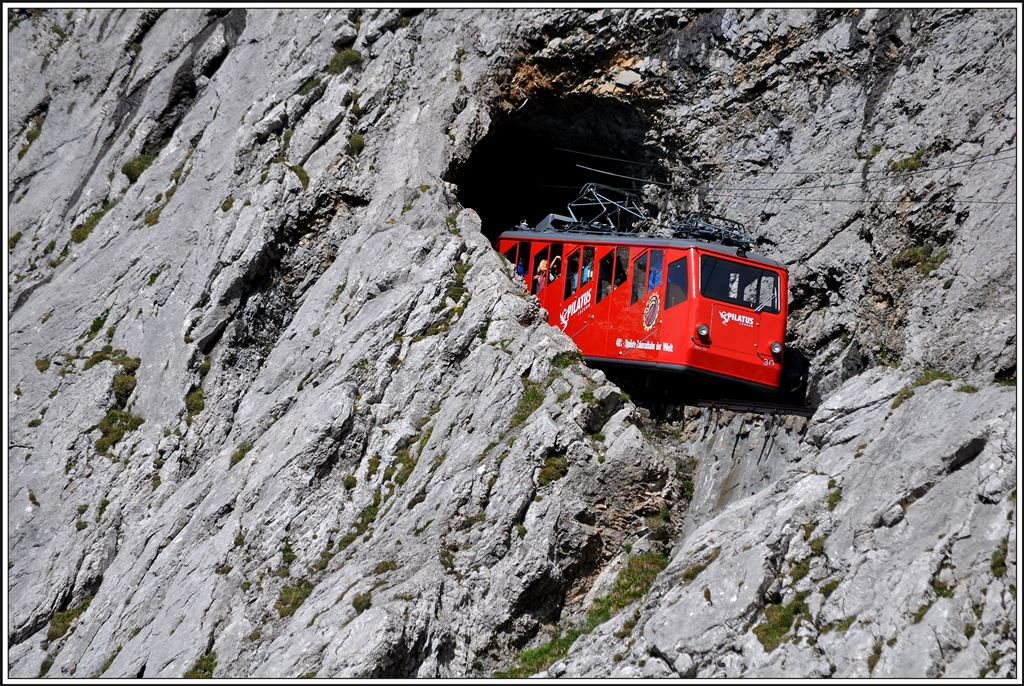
604 276
572 275
524 258
639 277
540 271
555 268
588 265
739 284
654 278
621 266
676 290
510 254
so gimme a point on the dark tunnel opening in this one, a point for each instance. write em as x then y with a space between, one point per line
531 162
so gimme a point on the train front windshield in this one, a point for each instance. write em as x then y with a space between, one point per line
739 284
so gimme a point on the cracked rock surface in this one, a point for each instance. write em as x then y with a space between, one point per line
278 409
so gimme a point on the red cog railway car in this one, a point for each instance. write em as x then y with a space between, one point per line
667 304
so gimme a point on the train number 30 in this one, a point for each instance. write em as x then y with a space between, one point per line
769 363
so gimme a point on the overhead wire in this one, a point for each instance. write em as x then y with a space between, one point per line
863 200
777 191
893 177
809 172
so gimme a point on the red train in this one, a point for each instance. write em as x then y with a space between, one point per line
668 304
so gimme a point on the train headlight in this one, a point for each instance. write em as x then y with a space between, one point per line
776 348
703 330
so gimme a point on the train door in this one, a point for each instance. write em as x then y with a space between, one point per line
644 312
678 324
576 313
611 271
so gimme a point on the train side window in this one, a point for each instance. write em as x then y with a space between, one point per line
540 271
676 290
604 276
555 268
524 258
654 279
621 266
588 265
572 275
639 277
510 254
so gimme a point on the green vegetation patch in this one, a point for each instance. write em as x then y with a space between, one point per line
301 174
798 570
195 402
834 498
840 625
228 203
114 425
61 622
632 583
565 359
533 397
342 60
911 163
292 597
82 231
555 467
926 377
385 566
203 667
694 570
309 85
876 653
42 364
924 257
998 563
134 167
362 601
366 517
32 134
240 453
779 619
356 142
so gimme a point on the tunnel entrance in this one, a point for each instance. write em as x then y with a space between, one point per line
529 164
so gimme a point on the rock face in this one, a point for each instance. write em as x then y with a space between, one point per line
278 409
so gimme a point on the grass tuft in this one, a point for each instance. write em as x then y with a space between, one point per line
632 583
82 231
533 397
910 163
240 453
203 667
342 60
61 622
356 143
134 167
998 563
361 602
292 597
778 620
555 467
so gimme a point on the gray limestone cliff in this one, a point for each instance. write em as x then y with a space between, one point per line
278 408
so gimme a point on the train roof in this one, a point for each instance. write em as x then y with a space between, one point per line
620 239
